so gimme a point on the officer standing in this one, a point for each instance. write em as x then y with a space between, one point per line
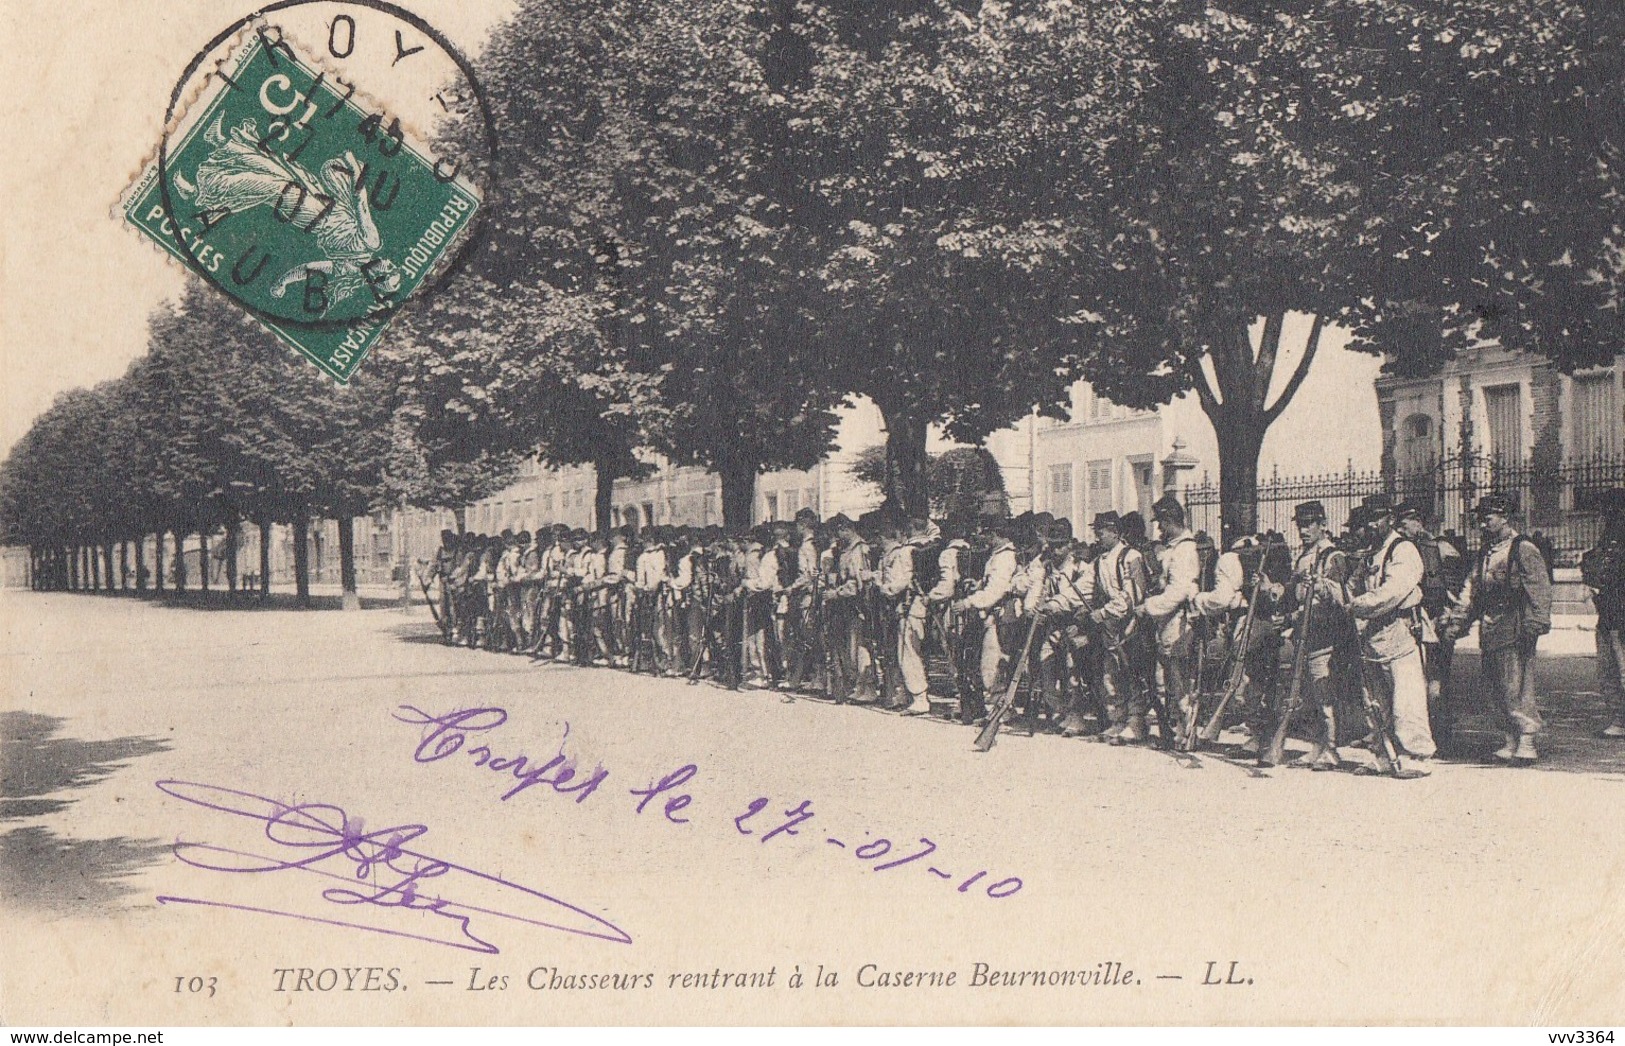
1509 594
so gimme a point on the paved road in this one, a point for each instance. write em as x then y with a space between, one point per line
1477 895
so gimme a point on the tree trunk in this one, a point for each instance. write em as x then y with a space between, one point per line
141 563
180 562
93 569
234 532
203 560
158 561
602 496
264 525
460 516
1239 446
1237 404
301 556
124 566
906 491
350 598
738 495
107 564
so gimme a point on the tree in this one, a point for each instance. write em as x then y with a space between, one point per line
525 353
258 434
962 482
719 279
938 297
1284 158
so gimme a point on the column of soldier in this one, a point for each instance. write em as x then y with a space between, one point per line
1342 641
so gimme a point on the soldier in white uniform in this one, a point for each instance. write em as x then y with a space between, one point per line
896 584
997 578
1179 569
1386 613
1117 585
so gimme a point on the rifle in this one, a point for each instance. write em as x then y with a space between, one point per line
434 611
640 611
1120 653
948 650
702 581
1385 750
1201 633
1300 658
990 732
873 627
1238 670
821 627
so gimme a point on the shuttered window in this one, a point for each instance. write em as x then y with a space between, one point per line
1503 407
1060 490
1594 414
1100 488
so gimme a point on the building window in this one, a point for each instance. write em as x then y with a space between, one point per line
1594 414
1100 408
791 502
1060 490
809 498
1503 410
671 510
1416 444
770 507
1100 488
708 510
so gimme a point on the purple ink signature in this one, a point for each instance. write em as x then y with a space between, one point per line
409 890
448 734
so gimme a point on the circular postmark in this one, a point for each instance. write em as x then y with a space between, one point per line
336 162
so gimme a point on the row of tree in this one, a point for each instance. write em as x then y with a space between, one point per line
217 424
712 222
721 218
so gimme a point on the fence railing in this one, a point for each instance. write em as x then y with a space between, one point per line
1561 501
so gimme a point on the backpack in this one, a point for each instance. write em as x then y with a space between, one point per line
1603 567
928 565
1548 552
785 556
1435 587
972 565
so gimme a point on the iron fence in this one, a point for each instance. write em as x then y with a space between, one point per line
1560 501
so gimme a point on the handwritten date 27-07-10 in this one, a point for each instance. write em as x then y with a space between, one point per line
470 732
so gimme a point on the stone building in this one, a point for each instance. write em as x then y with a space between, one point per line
1495 419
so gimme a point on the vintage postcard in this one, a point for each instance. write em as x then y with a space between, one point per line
807 512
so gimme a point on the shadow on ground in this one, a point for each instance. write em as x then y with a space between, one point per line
40 869
1573 708
1570 703
216 599
35 764
49 873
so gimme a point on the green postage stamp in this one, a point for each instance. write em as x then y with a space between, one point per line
293 194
